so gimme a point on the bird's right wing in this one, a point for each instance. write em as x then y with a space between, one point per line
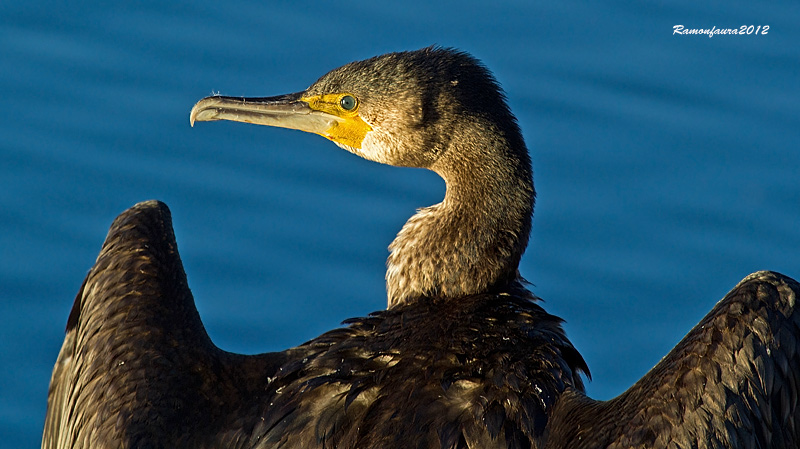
115 375
732 382
137 368
60 383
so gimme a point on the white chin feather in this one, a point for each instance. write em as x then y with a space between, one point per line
371 149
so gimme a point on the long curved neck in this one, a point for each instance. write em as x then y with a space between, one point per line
473 240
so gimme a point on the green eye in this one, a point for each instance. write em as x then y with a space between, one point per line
348 102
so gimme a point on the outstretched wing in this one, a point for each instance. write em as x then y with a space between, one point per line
732 382
137 368
131 307
61 383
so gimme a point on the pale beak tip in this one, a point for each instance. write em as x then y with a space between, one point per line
197 113
192 116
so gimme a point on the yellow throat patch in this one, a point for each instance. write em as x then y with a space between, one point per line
353 129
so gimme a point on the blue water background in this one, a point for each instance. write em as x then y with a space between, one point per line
667 167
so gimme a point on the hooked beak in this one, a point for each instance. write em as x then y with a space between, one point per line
284 111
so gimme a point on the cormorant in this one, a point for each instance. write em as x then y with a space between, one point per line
463 357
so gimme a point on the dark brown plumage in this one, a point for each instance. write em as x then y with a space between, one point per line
732 382
464 357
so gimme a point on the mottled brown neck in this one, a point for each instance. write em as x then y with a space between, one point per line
471 242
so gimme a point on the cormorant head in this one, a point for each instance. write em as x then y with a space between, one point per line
397 109
432 108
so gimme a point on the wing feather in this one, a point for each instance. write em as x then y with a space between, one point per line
732 382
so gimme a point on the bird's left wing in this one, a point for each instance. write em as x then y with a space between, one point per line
732 382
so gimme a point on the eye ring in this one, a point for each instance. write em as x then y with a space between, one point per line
348 102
